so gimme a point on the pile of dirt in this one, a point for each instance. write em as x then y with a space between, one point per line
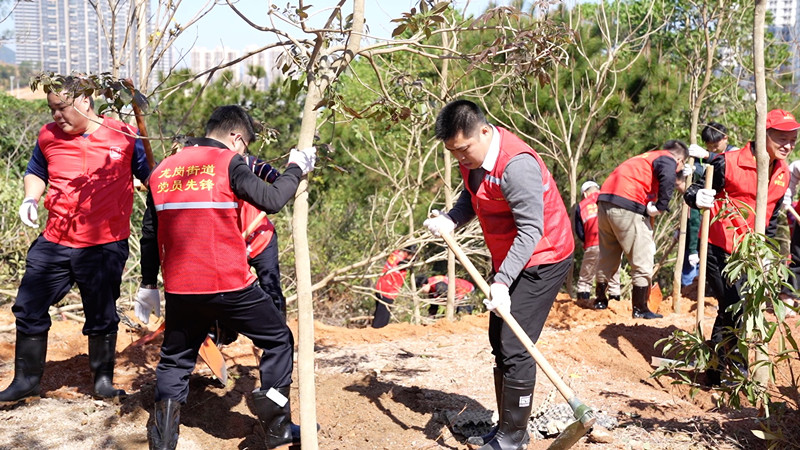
390 388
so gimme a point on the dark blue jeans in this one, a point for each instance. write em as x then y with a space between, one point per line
51 270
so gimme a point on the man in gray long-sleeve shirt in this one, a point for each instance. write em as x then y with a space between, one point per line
508 188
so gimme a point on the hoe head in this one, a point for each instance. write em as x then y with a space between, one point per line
575 430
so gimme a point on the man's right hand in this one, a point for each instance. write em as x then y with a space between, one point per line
147 301
695 151
705 198
305 158
439 224
29 212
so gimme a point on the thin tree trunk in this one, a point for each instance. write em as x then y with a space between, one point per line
448 198
761 373
317 84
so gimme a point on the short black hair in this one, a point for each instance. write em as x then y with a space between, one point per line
713 132
71 87
460 116
231 119
677 148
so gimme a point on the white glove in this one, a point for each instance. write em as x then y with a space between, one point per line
652 211
695 151
694 259
688 171
439 225
705 198
147 300
305 158
29 212
500 300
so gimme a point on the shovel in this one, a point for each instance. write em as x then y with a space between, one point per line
583 414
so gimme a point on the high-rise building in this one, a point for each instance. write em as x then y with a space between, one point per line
787 28
65 36
203 59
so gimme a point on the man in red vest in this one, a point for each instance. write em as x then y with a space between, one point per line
585 222
388 286
89 162
192 224
527 230
636 191
733 187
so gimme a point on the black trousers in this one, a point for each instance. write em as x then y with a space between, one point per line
382 314
51 270
726 293
248 311
532 296
269 272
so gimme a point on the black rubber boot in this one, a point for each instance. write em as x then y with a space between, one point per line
600 302
517 404
639 300
614 297
498 393
30 353
583 299
102 354
164 426
276 420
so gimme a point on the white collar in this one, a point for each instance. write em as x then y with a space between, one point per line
493 152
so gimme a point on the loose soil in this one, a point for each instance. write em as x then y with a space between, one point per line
393 388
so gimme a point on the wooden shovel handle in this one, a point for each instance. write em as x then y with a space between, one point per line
701 276
510 321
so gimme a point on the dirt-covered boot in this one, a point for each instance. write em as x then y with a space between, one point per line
600 301
512 433
164 426
30 353
498 393
639 299
275 415
102 354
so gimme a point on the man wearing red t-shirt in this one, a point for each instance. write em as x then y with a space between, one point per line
89 162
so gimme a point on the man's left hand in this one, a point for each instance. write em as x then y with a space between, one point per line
500 300
652 211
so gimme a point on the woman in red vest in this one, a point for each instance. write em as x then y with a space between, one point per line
733 189
509 189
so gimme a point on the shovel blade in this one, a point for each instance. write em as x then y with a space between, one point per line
211 355
571 435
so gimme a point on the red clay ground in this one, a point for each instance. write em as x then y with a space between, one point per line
388 388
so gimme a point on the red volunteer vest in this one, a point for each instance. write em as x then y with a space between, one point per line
389 284
588 209
740 187
90 194
494 214
463 287
201 245
258 240
634 180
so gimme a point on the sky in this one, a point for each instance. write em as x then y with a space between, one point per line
222 27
